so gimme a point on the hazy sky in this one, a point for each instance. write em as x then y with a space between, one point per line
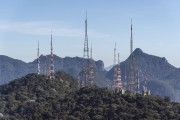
156 28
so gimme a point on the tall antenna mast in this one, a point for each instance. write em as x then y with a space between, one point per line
46 71
91 70
38 61
86 49
91 52
125 77
85 70
115 68
115 55
131 41
145 89
137 81
145 83
131 81
51 71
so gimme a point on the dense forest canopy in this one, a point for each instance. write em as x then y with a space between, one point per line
35 97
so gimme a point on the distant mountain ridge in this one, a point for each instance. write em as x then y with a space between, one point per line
11 69
160 74
109 67
154 67
163 78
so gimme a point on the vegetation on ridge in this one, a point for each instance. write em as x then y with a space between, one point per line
35 91
34 97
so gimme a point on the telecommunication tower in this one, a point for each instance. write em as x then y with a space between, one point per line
38 61
125 78
131 81
115 67
131 40
118 82
51 68
85 70
145 89
91 70
137 81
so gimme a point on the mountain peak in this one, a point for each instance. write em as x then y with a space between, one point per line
138 52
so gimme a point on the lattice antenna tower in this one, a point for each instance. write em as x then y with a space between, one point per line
115 55
51 71
91 69
46 70
115 67
125 77
91 52
145 83
131 81
118 82
131 41
137 81
86 48
38 60
85 71
145 89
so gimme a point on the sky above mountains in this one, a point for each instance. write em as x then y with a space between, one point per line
156 28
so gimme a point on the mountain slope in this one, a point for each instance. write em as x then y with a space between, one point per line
34 97
73 66
12 69
33 90
103 104
154 67
157 69
33 83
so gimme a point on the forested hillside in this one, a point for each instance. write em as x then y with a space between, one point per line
21 97
35 97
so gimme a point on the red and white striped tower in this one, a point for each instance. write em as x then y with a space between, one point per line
38 61
51 69
118 82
